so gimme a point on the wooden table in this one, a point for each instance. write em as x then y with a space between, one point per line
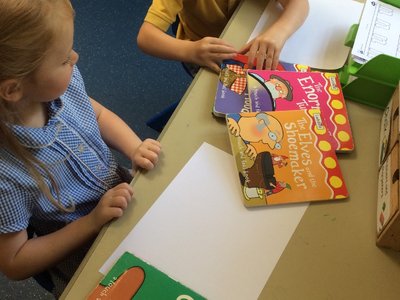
331 255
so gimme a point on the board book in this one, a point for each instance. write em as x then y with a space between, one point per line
275 91
232 84
132 278
284 157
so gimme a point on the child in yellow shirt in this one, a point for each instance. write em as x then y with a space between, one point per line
201 23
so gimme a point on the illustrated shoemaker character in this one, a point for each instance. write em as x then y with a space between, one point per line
259 180
279 160
260 128
273 89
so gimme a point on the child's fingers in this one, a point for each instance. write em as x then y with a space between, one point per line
275 60
145 164
120 202
150 145
152 142
246 47
122 187
217 41
154 148
148 160
270 59
216 45
114 212
123 193
150 154
214 66
222 49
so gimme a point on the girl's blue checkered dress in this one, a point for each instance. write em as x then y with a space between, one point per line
71 146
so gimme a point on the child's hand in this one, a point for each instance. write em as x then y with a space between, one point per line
266 49
209 52
111 205
146 155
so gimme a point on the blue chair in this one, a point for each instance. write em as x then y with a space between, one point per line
158 121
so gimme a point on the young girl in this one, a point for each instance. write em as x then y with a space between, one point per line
57 174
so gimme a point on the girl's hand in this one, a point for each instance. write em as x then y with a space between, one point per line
146 155
209 52
111 205
265 49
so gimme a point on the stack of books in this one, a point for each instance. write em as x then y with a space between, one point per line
285 127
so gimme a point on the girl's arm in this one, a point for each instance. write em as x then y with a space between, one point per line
207 52
119 136
21 257
267 47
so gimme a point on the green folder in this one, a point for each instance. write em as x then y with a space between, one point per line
372 83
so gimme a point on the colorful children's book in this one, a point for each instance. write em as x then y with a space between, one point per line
272 90
284 157
232 84
132 278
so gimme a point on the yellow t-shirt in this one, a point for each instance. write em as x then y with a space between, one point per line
198 18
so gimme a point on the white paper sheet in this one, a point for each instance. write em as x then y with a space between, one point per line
199 233
378 32
319 42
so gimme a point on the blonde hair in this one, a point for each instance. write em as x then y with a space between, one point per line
27 30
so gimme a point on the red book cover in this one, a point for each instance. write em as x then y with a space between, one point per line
231 92
273 90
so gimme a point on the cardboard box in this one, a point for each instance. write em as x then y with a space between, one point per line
388 214
389 134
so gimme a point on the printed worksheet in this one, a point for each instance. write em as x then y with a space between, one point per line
378 31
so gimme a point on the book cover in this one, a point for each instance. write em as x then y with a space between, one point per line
274 91
232 84
284 157
132 278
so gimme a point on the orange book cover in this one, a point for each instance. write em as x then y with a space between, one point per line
284 157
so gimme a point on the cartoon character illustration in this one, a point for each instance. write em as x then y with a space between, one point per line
262 128
251 193
281 185
233 74
259 180
279 160
275 88
234 78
